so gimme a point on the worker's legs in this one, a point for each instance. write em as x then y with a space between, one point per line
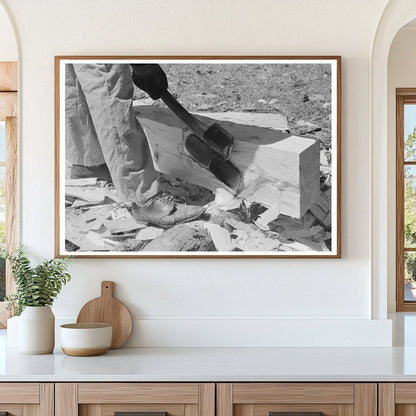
81 143
108 92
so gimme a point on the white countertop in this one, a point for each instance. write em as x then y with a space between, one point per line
215 364
222 364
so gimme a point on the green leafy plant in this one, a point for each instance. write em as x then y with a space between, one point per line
35 285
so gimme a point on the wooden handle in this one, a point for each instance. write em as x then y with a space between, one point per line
197 127
295 413
107 288
140 413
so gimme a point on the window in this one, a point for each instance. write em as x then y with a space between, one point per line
8 166
406 199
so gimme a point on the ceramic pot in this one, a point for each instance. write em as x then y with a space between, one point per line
37 330
83 340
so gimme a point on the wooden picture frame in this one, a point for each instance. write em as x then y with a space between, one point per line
273 190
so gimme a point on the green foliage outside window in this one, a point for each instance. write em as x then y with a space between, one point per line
410 205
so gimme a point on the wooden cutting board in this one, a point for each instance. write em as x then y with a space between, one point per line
107 309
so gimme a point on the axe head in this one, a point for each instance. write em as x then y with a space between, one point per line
219 139
203 154
199 150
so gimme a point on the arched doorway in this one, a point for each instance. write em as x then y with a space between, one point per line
396 15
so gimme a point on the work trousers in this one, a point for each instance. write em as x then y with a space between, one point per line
100 127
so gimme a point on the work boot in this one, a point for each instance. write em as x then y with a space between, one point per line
164 211
100 172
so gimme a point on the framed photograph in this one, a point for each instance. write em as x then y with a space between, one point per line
198 156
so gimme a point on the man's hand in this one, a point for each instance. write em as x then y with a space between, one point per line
150 78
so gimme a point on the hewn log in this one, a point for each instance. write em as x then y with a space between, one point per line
183 237
278 169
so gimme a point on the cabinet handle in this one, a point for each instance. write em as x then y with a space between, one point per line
295 414
138 414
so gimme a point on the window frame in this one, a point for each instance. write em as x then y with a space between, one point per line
8 114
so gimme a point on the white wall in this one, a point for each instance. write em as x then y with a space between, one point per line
401 74
8 47
201 299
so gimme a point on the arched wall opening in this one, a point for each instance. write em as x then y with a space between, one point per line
396 15
401 73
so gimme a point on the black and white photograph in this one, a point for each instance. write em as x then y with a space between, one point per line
198 157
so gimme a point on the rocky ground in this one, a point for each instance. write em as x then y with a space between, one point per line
97 221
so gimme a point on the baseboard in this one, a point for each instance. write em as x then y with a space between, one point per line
212 332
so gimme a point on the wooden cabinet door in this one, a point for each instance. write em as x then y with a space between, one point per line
26 399
397 399
143 399
297 399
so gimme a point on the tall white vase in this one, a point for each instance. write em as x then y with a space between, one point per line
37 330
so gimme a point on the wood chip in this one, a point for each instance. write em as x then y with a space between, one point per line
225 200
267 217
96 225
81 182
120 213
238 225
83 203
324 204
90 195
295 246
95 239
220 236
318 212
149 233
111 243
316 246
304 233
123 225
87 245
253 242
115 237
100 212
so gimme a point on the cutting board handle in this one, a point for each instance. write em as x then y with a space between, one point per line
107 288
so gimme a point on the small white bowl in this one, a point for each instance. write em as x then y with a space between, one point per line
83 340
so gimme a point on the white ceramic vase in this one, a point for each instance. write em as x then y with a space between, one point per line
37 330
12 334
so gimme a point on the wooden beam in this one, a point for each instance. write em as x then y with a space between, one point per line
277 168
8 76
8 105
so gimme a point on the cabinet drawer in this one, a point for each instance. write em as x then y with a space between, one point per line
138 393
297 399
146 399
21 399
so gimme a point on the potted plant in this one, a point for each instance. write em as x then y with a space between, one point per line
36 289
